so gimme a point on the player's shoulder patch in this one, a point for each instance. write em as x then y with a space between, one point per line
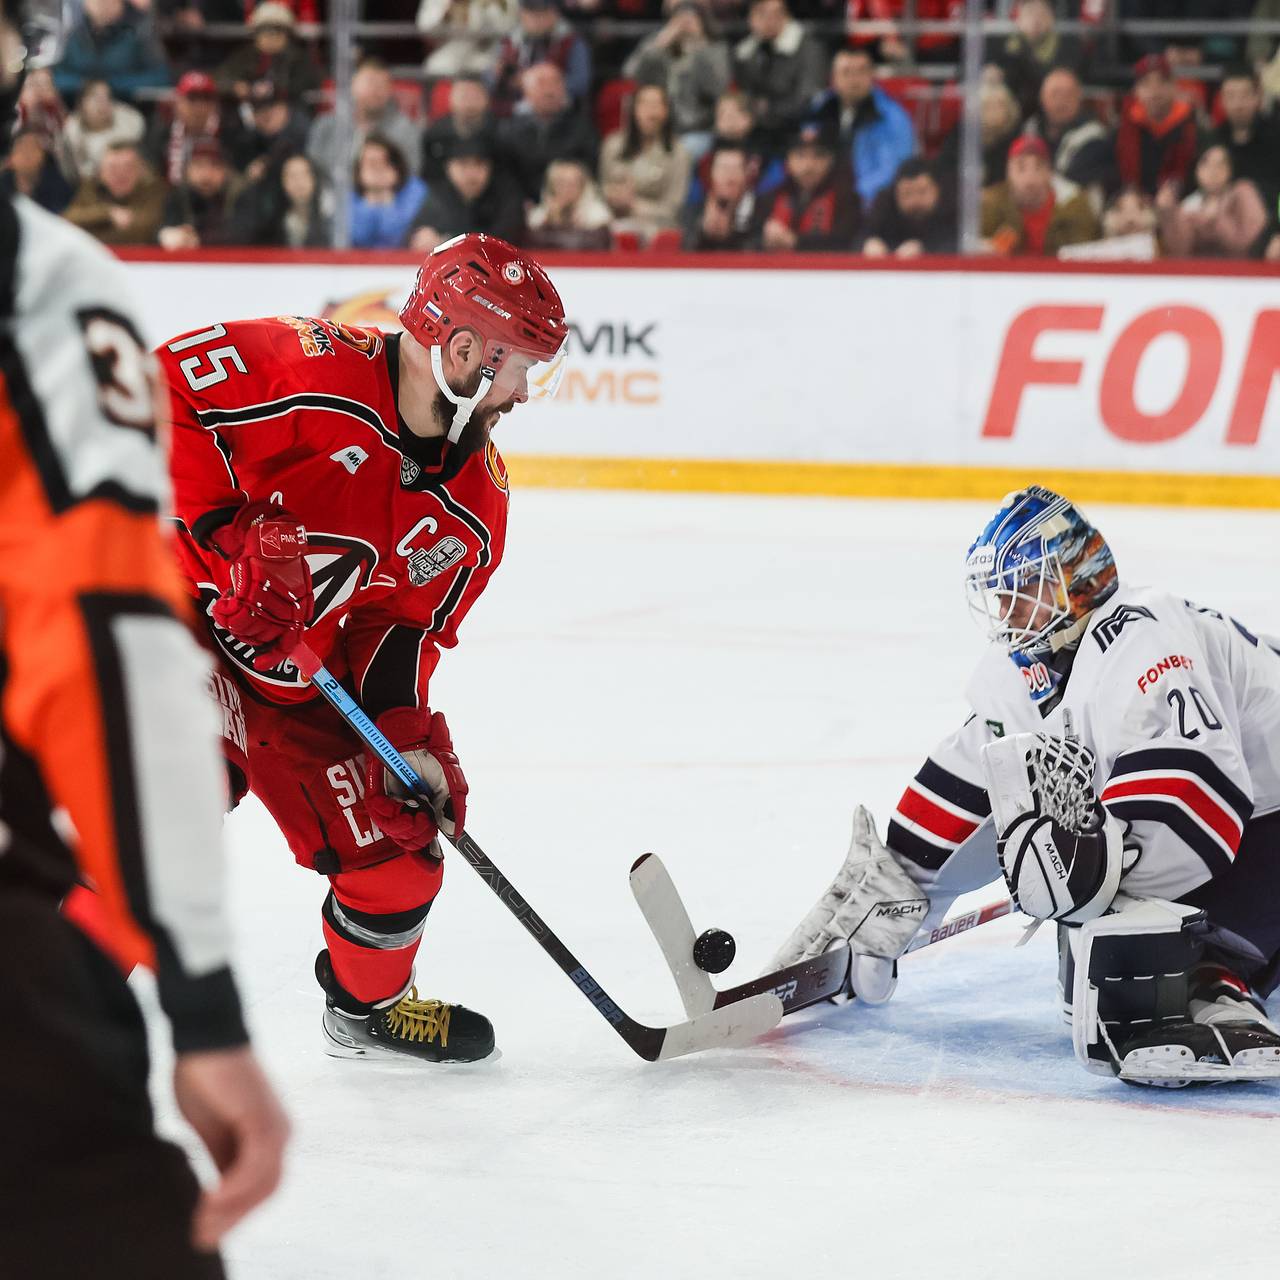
1106 631
495 466
367 342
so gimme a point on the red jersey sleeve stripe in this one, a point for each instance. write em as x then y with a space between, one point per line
1208 810
937 821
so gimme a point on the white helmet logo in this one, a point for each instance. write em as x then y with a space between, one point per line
513 273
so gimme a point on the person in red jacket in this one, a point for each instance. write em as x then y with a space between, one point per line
1156 140
341 481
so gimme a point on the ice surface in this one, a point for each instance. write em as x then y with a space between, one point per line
721 680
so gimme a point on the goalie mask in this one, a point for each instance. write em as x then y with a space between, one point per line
1036 573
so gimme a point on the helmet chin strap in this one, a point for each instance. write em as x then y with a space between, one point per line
464 407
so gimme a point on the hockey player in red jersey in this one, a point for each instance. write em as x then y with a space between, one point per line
342 482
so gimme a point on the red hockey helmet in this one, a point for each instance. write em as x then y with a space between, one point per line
483 284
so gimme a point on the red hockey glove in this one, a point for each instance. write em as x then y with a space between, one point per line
269 602
422 737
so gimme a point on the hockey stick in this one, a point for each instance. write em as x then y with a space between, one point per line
799 985
714 1029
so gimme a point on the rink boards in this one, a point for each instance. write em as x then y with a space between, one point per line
830 377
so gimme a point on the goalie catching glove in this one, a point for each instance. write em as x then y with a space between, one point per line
1061 852
422 737
873 904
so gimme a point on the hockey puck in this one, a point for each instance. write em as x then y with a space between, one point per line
713 950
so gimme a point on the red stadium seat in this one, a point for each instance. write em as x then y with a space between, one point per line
665 240
611 102
626 241
438 100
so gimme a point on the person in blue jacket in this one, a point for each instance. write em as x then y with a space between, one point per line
386 198
110 43
876 130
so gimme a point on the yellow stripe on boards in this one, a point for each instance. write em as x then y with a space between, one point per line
875 480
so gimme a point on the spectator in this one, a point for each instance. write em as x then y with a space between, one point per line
123 202
1025 56
1128 232
30 170
895 48
385 197
272 54
691 66
643 169
875 130
542 36
1078 144
571 215
1251 138
1000 122
466 34
815 210
276 130
1156 140
725 219
109 43
40 107
1262 46
469 117
911 217
472 197
374 110
196 118
1033 213
1222 218
546 126
197 212
98 122
288 208
779 67
735 127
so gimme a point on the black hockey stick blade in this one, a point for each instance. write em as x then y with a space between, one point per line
798 985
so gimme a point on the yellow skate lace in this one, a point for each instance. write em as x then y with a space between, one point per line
419 1020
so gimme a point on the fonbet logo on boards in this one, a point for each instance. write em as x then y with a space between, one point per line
1054 344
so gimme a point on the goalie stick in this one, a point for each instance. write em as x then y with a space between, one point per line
721 1028
799 985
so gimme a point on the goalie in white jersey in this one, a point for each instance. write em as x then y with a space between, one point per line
1121 768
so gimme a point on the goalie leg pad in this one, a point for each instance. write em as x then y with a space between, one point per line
1133 1008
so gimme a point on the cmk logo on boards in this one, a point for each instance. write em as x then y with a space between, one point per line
612 362
1193 328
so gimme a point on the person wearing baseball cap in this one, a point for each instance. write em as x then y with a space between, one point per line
1156 142
273 53
196 117
1033 212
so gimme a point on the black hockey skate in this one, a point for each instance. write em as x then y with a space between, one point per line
429 1030
1228 1037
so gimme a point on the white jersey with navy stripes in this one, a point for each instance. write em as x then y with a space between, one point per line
1181 706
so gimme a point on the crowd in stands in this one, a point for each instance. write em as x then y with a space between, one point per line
712 125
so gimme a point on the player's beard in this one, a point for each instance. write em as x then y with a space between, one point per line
475 435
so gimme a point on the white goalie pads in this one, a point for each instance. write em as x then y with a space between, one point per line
1133 1011
873 904
1061 852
